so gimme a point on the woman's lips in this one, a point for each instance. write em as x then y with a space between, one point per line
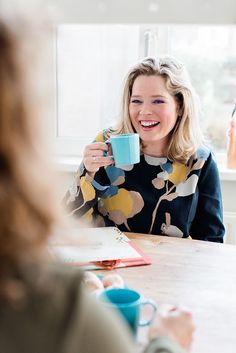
148 125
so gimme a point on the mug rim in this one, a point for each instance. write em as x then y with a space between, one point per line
110 303
124 135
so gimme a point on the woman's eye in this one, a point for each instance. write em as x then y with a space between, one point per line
158 101
136 101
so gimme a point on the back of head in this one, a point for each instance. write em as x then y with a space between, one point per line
28 207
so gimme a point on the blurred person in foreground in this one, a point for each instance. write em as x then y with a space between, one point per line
43 307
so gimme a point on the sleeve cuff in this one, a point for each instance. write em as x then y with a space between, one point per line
164 344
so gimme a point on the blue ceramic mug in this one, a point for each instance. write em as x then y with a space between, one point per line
125 149
128 302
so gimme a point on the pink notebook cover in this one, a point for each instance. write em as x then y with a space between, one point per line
112 264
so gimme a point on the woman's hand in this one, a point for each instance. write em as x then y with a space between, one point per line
175 322
94 158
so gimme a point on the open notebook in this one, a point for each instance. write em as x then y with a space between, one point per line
101 248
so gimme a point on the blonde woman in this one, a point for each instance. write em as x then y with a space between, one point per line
175 189
43 307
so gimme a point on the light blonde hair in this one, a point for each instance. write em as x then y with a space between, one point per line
186 137
29 209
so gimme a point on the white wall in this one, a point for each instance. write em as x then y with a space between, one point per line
228 195
131 11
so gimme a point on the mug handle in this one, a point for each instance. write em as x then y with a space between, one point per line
106 154
154 306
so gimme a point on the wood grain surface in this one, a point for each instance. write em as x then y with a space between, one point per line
197 274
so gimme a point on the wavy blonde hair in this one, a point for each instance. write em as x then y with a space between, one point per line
186 137
29 207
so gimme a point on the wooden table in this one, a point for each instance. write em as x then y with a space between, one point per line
197 274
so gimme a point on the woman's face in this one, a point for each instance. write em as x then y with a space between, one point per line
153 111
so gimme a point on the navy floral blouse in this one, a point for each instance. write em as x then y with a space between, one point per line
155 196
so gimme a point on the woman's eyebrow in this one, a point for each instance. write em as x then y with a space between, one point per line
153 95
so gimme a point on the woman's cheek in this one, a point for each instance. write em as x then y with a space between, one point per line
133 113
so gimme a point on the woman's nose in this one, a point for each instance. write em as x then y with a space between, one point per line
145 111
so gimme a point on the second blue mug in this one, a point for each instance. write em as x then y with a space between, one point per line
128 302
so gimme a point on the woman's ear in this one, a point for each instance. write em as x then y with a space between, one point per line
179 111
179 104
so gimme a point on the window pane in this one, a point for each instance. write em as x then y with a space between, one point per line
209 53
91 62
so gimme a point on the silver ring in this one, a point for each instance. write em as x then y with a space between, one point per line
94 158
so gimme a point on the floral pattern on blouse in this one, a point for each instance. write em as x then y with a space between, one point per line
155 196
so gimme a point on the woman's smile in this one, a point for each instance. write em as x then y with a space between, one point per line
148 125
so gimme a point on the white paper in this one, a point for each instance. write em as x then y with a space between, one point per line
98 244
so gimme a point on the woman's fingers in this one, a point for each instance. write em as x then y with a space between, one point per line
94 157
95 146
176 322
96 161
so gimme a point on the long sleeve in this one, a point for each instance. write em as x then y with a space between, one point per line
208 220
103 332
93 329
82 197
163 345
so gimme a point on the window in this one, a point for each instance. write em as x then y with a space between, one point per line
92 60
209 52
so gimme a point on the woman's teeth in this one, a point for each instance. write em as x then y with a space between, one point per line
149 123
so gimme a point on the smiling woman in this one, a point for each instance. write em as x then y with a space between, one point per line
175 189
